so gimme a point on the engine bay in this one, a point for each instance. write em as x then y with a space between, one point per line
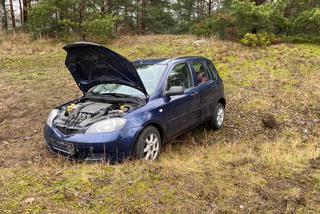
77 116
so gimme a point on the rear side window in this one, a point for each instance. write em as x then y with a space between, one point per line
212 70
180 76
201 72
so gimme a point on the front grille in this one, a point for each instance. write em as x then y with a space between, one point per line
68 131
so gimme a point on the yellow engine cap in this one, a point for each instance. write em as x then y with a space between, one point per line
123 108
71 107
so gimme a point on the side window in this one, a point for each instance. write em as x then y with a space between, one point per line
180 76
201 72
212 70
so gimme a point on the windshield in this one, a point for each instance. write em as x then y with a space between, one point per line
149 74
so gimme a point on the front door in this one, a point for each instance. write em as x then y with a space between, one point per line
183 111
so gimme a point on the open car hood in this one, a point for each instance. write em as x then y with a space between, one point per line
92 64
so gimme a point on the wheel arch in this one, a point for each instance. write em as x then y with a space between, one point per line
158 127
222 100
154 124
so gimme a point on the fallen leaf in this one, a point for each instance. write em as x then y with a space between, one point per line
29 200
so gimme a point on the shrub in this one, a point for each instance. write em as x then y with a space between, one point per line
301 39
56 18
260 39
103 28
308 22
250 18
222 24
244 17
40 21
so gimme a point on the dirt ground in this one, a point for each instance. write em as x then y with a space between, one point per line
249 166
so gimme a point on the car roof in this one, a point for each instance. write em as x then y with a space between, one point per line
168 60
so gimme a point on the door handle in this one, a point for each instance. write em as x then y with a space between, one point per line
194 93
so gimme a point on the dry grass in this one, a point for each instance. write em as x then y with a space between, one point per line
244 168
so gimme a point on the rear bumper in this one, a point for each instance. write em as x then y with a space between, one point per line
100 146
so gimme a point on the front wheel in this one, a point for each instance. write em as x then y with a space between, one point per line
148 145
217 119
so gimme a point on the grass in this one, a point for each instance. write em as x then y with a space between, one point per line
243 168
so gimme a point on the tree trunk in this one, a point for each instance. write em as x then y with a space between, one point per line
25 11
21 12
4 21
142 17
137 17
198 8
125 13
201 8
209 7
109 2
259 2
13 18
103 7
81 18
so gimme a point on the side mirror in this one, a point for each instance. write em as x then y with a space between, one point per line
175 90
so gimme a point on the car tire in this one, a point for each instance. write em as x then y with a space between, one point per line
217 119
148 145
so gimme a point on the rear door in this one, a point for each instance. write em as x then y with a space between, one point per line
182 111
206 87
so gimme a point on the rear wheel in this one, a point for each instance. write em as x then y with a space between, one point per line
217 119
148 145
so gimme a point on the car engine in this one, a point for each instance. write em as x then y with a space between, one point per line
76 117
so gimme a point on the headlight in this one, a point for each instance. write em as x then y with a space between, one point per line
51 116
109 125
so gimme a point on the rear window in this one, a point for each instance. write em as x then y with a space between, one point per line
201 72
212 70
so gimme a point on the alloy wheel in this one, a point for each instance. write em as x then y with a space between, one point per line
220 116
151 147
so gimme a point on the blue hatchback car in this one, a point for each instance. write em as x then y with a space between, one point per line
130 109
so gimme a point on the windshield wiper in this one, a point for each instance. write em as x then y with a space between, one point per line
118 95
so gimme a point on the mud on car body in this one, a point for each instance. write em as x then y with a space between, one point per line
130 109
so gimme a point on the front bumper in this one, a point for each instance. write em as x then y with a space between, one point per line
112 146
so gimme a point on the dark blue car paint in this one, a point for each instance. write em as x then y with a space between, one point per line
92 64
172 116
